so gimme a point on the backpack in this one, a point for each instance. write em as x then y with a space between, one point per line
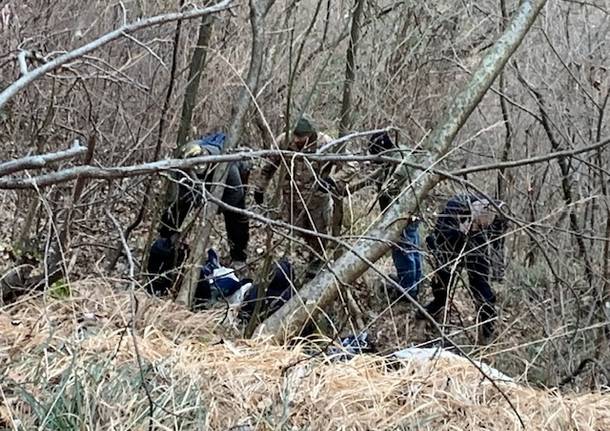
214 142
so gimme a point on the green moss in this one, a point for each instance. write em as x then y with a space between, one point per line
60 289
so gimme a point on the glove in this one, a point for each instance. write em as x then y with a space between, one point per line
259 197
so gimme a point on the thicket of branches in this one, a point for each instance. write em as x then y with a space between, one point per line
259 65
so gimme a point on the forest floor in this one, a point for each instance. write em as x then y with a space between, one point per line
101 358
90 353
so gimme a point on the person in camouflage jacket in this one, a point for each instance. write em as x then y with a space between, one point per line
307 186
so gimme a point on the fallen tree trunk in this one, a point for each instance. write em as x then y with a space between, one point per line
322 290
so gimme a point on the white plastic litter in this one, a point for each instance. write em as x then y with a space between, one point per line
433 353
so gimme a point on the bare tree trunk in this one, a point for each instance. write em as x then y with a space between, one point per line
345 122
501 191
246 94
350 70
605 291
322 290
198 63
566 186
196 68
605 191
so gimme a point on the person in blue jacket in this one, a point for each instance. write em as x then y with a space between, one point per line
185 194
406 254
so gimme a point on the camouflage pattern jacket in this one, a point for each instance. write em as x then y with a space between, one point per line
303 181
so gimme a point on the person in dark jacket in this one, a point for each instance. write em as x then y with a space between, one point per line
406 254
185 194
467 230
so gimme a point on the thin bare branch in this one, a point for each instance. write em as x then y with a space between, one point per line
39 72
41 161
181 164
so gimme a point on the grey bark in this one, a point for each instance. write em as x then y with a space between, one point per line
196 68
350 70
345 122
322 290
41 161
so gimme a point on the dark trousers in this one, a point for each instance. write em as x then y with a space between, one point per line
163 265
473 254
189 197
238 232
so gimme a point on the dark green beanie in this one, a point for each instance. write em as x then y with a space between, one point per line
305 126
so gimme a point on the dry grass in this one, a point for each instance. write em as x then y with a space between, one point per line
70 364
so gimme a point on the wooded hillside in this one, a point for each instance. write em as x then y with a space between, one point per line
109 110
